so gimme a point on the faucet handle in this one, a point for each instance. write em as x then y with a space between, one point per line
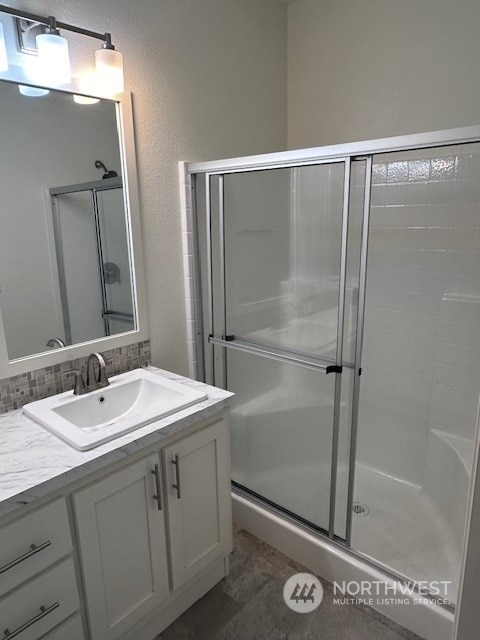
79 387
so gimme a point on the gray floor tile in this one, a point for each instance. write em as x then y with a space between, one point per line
257 619
249 605
246 578
205 619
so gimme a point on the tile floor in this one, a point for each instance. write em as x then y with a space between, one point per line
248 605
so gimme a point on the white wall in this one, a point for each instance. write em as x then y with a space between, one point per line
208 81
360 70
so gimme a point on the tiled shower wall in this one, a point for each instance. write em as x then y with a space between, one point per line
423 292
17 391
188 263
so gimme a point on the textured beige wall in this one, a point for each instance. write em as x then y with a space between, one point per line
374 68
208 79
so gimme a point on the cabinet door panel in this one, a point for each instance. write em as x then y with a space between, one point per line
123 553
47 528
72 629
200 519
40 604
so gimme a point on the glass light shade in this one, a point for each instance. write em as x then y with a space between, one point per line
79 99
32 92
109 69
87 87
3 51
53 59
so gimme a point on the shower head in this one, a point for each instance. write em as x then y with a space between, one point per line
107 174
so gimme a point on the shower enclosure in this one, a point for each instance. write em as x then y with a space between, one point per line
92 259
338 296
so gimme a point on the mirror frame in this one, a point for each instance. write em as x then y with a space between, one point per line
9 368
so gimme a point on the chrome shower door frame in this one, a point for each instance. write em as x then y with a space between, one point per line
216 337
93 187
364 150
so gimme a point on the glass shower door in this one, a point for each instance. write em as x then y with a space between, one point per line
277 312
419 392
116 260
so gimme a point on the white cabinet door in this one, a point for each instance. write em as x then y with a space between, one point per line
199 504
121 537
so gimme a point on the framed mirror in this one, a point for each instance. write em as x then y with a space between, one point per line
71 266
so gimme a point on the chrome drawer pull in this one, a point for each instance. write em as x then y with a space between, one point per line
176 486
43 612
158 496
33 550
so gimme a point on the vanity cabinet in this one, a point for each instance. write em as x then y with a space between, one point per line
198 499
121 535
33 543
151 537
148 530
41 604
72 629
38 585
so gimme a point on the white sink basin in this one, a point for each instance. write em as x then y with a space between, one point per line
131 401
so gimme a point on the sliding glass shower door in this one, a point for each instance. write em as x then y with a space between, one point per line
339 298
277 268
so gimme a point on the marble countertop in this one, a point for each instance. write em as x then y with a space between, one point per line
34 462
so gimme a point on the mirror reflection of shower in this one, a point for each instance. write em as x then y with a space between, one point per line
106 173
92 258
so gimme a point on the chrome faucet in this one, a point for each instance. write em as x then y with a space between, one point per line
55 342
93 381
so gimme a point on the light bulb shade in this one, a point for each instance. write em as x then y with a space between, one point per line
109 70
32 92
79 99
3 51
53 59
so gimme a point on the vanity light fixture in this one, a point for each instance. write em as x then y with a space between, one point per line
54 61
3 51
109 67
53 56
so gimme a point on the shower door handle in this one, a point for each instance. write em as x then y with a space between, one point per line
334 368
231 342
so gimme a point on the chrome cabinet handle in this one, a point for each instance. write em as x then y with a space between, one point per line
44 611
176 486
33 550
158 496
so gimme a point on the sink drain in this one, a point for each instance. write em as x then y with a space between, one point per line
360 509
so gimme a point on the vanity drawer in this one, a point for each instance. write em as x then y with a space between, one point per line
47 529
39 606
71 629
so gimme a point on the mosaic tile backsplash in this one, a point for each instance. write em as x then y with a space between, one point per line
19 390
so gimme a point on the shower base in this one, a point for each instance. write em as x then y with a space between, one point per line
404 530
333 563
